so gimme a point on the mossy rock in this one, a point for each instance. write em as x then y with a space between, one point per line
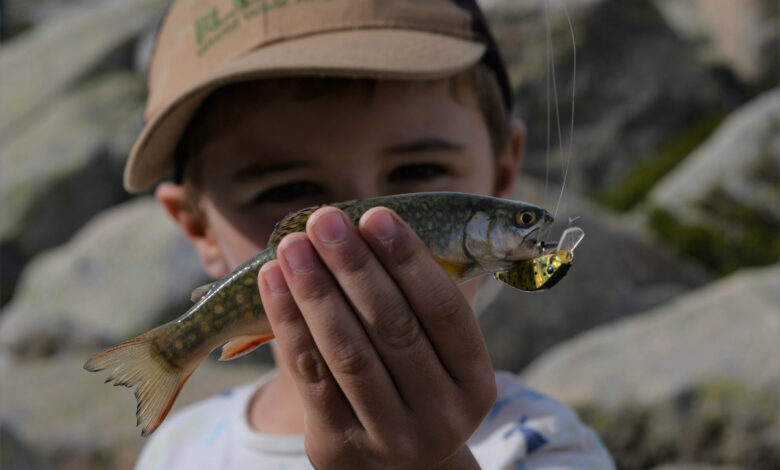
720 204
36 67
628 109
738 237
633 188
719 422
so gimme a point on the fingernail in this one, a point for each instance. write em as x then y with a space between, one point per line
381 225
274 278
330 228
299 255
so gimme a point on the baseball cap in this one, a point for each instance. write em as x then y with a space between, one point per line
206 44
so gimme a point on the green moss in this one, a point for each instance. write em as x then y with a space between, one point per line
634 187
738 237
719 423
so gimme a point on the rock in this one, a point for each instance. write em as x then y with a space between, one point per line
725 31
35 12
63 51
63 169
727 330
721 203
719 425
89 425
15 454
732 159
628 108
696 466
127 271
618 272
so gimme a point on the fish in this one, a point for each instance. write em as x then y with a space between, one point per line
546 270
468 235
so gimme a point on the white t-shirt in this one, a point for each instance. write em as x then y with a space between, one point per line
523 431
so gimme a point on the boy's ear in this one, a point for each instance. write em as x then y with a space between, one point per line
192 221
508 163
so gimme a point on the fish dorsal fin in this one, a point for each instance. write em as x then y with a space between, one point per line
201 291
291 223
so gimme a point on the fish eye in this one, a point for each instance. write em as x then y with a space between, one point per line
550 269
525 218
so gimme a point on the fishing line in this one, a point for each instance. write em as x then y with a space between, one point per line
551 85
547 96
571 128
551 71
565 151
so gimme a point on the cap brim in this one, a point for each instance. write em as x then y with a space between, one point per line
375 53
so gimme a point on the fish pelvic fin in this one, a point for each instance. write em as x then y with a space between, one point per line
243 345
157 383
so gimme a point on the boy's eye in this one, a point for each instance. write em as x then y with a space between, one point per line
289 192
417 172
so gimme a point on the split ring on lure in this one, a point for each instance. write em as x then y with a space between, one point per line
543 272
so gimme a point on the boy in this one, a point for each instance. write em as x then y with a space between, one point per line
263 107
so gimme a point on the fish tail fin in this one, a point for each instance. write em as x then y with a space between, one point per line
157 383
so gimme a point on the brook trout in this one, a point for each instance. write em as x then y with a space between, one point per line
468 235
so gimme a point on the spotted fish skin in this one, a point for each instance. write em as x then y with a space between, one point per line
232 306
478 233
538 274
469 235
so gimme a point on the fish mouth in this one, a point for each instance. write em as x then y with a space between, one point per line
544 247
533 243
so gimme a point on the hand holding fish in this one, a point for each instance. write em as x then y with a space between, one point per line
384 349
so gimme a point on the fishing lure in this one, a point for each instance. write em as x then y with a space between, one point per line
543 272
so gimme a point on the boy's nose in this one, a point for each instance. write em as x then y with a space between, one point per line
357 189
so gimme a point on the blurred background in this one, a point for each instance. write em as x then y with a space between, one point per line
665 336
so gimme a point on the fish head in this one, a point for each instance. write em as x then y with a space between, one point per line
502 236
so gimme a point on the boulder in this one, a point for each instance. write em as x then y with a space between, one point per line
64 51
727 330
741 159
35 12
125 272
628 107
715 425
618 272
696 466
727 32
68 166
721 203
14 454
61 170
67 417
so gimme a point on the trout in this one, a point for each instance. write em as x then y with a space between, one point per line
468 235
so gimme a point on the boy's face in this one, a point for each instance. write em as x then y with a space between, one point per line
283 153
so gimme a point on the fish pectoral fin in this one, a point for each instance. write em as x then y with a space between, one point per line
241 345
157 383
199 292
455 270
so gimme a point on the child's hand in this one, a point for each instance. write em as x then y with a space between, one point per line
385 350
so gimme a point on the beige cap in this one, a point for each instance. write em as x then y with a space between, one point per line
205 44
